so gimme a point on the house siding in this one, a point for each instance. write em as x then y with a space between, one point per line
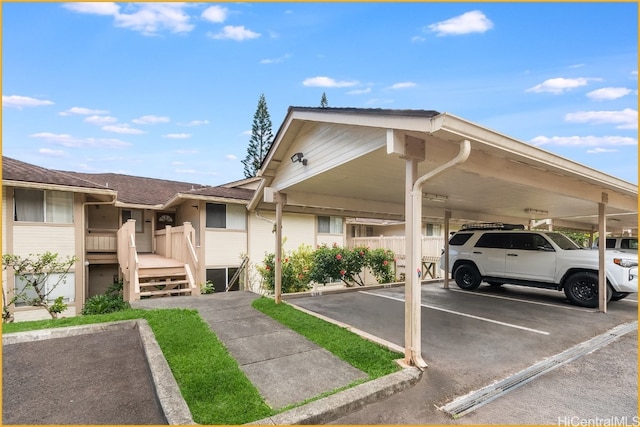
224 248
30 238
326 146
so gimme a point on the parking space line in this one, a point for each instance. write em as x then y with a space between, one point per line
484 319
523 300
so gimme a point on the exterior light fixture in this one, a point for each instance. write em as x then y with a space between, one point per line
536 212
435 197
299 157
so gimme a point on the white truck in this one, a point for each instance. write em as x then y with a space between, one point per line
506 254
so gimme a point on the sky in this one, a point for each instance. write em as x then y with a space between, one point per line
169 90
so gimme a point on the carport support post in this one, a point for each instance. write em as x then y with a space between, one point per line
280 200
447 218
410 268
602 247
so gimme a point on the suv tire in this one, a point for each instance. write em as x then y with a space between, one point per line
467 277
582 289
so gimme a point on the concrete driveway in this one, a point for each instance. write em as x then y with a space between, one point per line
474 339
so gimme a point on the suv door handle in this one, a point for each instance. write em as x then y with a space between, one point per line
477 252
512 254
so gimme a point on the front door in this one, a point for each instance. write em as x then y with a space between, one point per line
165 218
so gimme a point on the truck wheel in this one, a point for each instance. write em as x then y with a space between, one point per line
582 289
467 277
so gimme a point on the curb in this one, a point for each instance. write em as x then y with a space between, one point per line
329 408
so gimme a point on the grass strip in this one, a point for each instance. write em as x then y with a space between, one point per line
372 358
210 380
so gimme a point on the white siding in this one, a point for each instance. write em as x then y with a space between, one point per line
326 146
144 240
224 248
297 229
36 239
330 239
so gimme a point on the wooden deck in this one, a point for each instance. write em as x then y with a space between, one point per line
157 261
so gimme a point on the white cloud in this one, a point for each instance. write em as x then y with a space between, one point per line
216 14
238 33
275 60
560 84
402 85
600 150
359 91
417 39
608 93
625 119
50 152
195 123
320 81
634 74
16 101
123 128
146 18
177 135
467 23
67 140
94 8
231 157
81 111
584 141
151 120
100 120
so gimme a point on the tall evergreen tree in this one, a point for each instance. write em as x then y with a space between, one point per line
323 101
261 139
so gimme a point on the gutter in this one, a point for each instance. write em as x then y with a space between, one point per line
416 195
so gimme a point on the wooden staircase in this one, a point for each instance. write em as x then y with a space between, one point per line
161 277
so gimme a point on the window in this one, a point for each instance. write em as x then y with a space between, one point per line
220 278
460 239
330 225
136 215
66 288
433 230
43 206
494 240
230 217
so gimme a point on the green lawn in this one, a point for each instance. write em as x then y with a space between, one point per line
210 380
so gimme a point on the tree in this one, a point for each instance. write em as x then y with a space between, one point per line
323 101
37 277
261 139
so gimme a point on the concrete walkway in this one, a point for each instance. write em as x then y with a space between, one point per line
285 367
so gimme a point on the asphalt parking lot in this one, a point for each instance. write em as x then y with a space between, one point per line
474 339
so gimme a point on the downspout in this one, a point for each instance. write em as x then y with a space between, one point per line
416 194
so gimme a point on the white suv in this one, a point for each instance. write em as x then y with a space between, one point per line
502 253
620 243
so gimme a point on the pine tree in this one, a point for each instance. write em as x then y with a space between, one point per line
261 139
323 101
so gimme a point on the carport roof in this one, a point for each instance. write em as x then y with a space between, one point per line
355 169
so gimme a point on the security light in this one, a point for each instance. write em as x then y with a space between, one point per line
299 157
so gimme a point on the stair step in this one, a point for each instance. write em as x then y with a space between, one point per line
165 282
163 292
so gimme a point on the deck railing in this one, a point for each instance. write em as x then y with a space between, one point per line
178 243
128 260
431 246
101 240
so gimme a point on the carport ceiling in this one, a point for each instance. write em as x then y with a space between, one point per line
502 180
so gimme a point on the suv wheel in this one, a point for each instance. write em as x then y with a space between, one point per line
467 277
582 289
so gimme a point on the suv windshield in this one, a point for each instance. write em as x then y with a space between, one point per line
563 241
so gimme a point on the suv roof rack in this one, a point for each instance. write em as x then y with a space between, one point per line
491 226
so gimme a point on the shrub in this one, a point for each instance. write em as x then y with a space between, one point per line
207 287
296 268
109 302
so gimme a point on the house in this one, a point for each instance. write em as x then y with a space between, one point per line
88 215
77 214
333 175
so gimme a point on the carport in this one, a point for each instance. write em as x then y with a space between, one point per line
416 165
